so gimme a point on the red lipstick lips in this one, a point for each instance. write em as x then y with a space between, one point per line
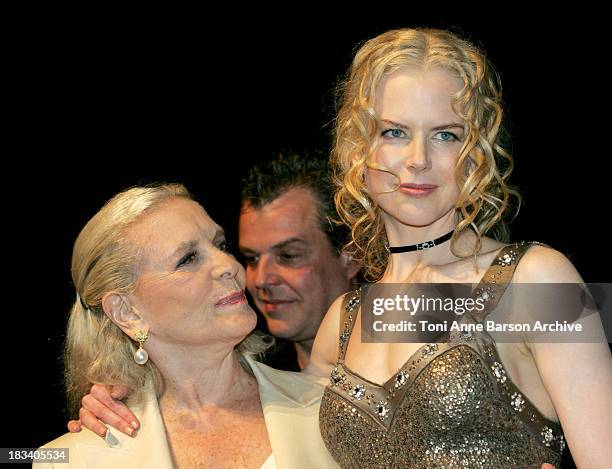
231 299
417 190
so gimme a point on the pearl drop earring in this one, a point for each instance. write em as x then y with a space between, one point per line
141 356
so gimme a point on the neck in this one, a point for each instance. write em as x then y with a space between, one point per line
403 265
200 376
303 350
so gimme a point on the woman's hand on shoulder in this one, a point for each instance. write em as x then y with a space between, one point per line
103 406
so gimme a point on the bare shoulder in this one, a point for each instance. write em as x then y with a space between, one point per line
325 348
542 264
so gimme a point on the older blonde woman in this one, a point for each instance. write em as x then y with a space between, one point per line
160 309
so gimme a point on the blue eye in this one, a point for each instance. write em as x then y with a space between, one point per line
446 136
393 133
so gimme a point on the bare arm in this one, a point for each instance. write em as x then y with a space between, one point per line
577 376
324 355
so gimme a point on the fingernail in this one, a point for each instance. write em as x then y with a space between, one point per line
135 424
103 433
129 431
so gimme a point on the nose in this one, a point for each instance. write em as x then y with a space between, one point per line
417 157
226 267
265 273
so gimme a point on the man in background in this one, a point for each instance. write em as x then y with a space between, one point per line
291 250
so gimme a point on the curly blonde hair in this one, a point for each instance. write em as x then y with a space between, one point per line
96 350
484 198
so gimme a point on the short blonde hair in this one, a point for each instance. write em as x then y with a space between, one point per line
96 350
484 195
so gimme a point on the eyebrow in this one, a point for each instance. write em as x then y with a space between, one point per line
277 246
183 248
450 125
187 246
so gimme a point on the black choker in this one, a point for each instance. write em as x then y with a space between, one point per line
419 246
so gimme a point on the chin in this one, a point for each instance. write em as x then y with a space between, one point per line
415 218
239 317
242 329
281 329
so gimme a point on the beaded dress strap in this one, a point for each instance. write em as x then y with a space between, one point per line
498 276
350 303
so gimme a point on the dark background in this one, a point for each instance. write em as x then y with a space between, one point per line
104 104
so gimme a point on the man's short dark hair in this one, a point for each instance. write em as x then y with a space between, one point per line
292 169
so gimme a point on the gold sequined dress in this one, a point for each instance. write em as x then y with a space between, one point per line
451 405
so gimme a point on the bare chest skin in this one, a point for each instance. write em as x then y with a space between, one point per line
378 362
232 436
